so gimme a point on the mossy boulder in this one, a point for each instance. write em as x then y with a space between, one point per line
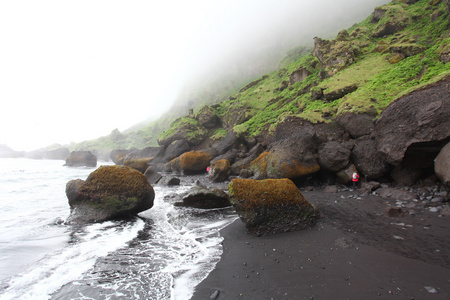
220 170
139 164
288 158
188 129
81 159
271 206
393 20
335 55
207 117
192 162
109 192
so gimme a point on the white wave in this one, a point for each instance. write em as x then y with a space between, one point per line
68 264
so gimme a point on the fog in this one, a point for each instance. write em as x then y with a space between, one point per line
75 70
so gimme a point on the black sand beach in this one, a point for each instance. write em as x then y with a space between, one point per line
354 252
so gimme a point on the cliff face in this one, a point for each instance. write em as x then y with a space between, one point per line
336 93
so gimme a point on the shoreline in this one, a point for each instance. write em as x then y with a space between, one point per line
354 252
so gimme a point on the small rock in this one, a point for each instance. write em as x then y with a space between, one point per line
433 209
437 200
173 181
393 212
431 290
214 295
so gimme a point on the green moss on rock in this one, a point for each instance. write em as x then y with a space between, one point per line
271 206
109 192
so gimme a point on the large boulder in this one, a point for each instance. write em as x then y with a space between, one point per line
109 192
368 159
81 159
288 158
208 117
336 54
412 122
227 143
175 149
333 156
219 171
271 206
192 162
200 197
152 175
357 125
139 164
391 21
442 165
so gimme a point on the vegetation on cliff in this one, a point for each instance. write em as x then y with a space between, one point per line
399 48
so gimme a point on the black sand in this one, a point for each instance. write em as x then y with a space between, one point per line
354 252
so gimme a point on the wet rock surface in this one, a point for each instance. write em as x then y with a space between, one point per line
109 192
81 159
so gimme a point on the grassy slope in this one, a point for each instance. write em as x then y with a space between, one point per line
380 78
379 73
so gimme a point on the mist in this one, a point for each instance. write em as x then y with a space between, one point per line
73 71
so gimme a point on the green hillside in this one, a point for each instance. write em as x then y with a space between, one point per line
399 48
361 70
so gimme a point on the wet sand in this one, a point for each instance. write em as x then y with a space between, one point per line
354 252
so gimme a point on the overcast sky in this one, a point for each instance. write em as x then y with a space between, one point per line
76 70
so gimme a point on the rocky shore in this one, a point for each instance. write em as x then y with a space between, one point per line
357 250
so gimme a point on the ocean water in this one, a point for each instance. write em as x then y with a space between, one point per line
163 253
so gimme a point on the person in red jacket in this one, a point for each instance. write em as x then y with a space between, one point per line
355 178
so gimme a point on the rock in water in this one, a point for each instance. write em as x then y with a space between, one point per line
109 192
271 206
199 197
81 159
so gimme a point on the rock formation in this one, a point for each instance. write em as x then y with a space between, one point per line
81 159
199 197
109 192
442 165
271 206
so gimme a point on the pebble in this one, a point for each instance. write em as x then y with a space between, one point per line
431 290
437 200
214 295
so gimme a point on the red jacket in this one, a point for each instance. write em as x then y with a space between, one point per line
355 176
